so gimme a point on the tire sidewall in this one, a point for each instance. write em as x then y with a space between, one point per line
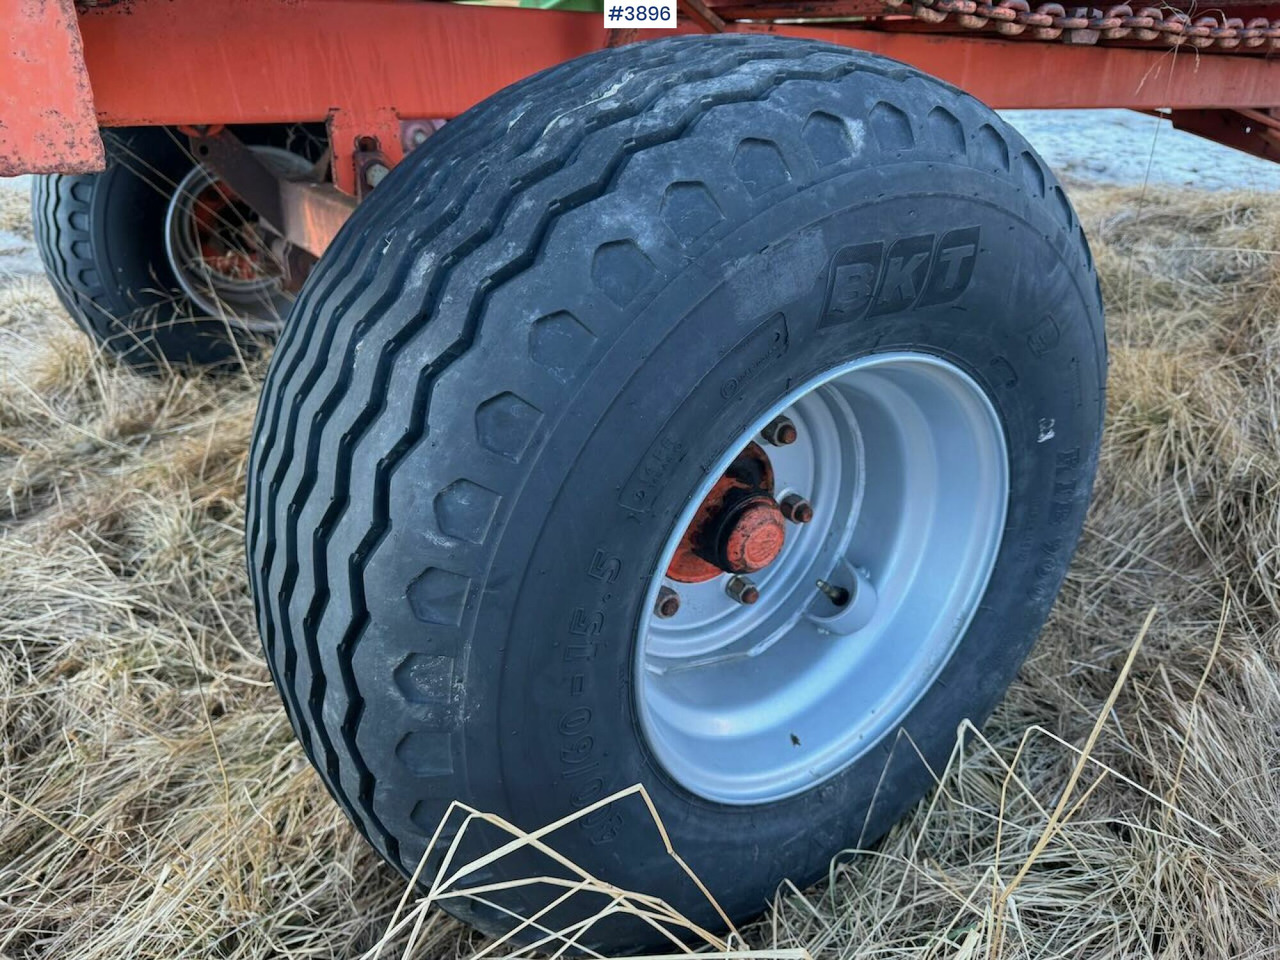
730 336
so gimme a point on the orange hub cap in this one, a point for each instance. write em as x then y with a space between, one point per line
738 528
755 537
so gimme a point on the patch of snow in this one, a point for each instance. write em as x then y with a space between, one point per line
18 255
1124 147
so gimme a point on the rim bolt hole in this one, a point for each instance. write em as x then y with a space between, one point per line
796 508
741 588
668 603
837 595
780 431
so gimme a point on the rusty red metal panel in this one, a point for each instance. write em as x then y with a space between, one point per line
1017 74
349 129
215 61
263 61
46 104
1249 130
313 213
797 9
363 63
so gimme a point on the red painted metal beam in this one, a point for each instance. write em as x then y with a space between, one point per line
814 9
363 63
46 108
264 61
218 61
1249 130
1014 74
800 9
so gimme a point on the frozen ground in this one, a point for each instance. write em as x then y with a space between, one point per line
17 255
1120 146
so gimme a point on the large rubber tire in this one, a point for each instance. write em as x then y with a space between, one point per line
102 239
510 372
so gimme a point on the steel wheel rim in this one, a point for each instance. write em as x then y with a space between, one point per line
905 461
258 304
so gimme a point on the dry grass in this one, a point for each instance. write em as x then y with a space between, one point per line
154 804
15 212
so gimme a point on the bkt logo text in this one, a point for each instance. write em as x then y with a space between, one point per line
869 280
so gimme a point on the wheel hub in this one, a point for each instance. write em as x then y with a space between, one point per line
739 527
229 243
750 536
219 251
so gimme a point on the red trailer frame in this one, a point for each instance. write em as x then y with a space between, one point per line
370 68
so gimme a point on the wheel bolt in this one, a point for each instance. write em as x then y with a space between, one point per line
796 508
668 603
779 431
741 588
375 174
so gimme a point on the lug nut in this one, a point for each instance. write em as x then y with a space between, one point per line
742 589
779 431
668 603
796 508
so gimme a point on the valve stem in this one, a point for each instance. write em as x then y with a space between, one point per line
837 595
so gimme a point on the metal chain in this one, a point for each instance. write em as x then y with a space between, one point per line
1088 25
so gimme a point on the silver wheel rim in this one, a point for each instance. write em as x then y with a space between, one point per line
905 463
258 304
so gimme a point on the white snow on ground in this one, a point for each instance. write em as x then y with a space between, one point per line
17 254
1120 146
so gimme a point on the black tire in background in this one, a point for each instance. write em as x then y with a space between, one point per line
573 293
101 237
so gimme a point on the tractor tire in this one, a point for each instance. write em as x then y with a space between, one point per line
102 238
521 380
